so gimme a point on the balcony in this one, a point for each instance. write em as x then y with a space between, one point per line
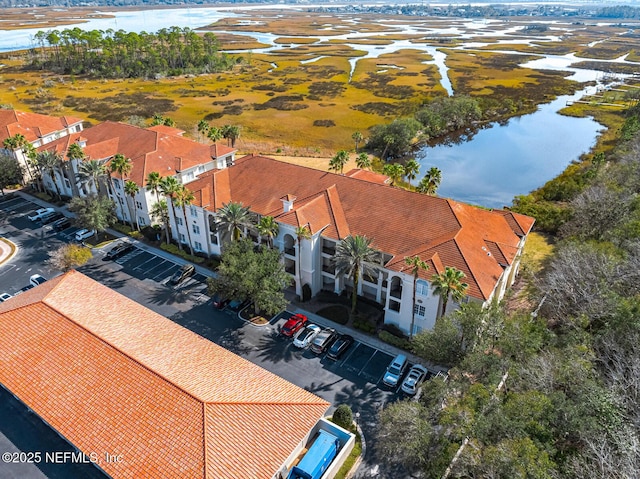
330 250
291 269
396 293
329 268
291 251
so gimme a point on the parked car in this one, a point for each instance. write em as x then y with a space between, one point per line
83 234
324 340
50 217
237 305
395 370
183 273
340 345
293 325
61 224
218 301
119 250
36 279
305 336
39 213
411 383
4 297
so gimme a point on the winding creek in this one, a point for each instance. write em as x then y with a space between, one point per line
491 168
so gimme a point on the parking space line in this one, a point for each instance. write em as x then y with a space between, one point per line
368 361
128 256
353 348
139 267
163 274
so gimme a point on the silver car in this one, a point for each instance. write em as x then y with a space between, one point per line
412 382
305 336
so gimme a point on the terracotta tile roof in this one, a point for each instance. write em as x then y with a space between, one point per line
159 148
370 176
32 125
111 375
399 222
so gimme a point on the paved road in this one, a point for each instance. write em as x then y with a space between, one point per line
142 276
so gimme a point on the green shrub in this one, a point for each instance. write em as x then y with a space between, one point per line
173 249
401 343
343 416
364 325
394 329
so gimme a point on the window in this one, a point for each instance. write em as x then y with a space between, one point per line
422 287
229 161
138 205
196 229
182 238
194 211
197 246
179 221
141 221
78 128
214 238
419 310
67 184
120 200
416 329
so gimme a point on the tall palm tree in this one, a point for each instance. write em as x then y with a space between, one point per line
153 182
90 172
234 218
231 133
268 227
411 170
353 257
121 165
49 161
169 187
214 134
131 189
363 161
183 198
302 232
429 184
203 129
394 171
160 211
357 138
416 265
449 284
338 161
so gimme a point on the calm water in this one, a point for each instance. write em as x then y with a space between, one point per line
504 161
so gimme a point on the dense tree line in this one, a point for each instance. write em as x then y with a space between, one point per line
120 54
551 394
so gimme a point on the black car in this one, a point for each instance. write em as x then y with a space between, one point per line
183 273
119 250
61 224
218 301
343 343
50 217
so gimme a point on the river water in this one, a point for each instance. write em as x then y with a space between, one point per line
497 164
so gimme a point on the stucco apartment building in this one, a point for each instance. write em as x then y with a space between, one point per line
486 245
113 377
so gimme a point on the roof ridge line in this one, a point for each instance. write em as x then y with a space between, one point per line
464 258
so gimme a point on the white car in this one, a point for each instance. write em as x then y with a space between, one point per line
37 214
412 382
305 336
84 233
4 297
36 280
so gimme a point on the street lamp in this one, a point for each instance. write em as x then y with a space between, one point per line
358 419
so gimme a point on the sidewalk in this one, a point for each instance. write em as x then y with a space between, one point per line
294 308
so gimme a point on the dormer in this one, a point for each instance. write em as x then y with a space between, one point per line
287 202
82 142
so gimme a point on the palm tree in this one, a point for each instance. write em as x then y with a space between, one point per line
268 227
90 172
169 186
234 218
160 211
302 232
153 182
49 161
203 129
121 165
363 161
353 257
338 161
449 283
231 133
357 138
214 134
183 198
75 152
394 171
131 189
411 170
416 265
429 184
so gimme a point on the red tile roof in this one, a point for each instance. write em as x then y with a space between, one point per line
158 148
113 376
32 125
399 222
370 176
